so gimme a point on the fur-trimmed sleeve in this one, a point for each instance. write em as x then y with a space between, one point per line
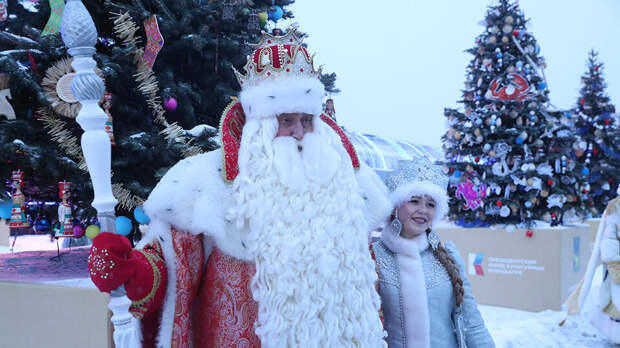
377 206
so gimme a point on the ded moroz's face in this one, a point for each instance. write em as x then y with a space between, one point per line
416 215
294 125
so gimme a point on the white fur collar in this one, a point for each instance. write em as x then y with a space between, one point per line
399 245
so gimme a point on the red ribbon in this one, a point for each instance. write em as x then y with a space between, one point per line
32 62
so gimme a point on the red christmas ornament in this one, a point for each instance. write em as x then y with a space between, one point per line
596 68
595 151
477 159
515 32
498 203
575 199
584 191
549 182
553 215
582 101
529 234
607 122
611 180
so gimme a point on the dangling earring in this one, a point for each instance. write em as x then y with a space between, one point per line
433 239
396 226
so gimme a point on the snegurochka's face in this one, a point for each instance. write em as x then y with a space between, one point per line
416 215
294 125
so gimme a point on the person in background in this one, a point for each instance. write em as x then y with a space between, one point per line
606 251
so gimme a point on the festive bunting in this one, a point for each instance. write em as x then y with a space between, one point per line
154 40
53 23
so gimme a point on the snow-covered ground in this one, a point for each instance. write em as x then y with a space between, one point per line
510 328
29 243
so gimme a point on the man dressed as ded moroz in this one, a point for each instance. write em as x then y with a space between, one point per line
263 242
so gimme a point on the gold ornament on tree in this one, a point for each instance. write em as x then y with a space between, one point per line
57 88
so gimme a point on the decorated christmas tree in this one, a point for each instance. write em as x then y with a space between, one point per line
599 148
167 68
506 153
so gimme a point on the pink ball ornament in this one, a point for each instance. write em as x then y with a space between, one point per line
78 231
170 104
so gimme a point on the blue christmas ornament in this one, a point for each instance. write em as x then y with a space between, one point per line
123 225
519 65
542 86
493 122
585 171
567 114
275 13
457 174
478 121
519 140
43 225
499 55
528 204
141 216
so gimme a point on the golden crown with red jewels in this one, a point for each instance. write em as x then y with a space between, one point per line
276 57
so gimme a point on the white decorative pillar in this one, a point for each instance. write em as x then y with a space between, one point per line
80 36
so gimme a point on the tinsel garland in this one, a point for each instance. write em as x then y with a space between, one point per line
126 29
58 130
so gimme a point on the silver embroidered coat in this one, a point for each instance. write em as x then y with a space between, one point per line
450 326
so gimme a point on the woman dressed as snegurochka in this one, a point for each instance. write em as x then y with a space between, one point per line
425 295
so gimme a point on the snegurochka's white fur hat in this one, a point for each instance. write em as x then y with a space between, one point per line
280 78
419 177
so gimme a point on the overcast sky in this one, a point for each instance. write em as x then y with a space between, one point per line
400 62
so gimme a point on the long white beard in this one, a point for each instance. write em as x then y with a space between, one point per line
315 280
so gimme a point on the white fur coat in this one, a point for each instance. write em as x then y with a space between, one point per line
194 197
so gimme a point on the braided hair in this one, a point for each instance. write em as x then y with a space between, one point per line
447 261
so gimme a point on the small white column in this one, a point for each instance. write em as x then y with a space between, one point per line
80 36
